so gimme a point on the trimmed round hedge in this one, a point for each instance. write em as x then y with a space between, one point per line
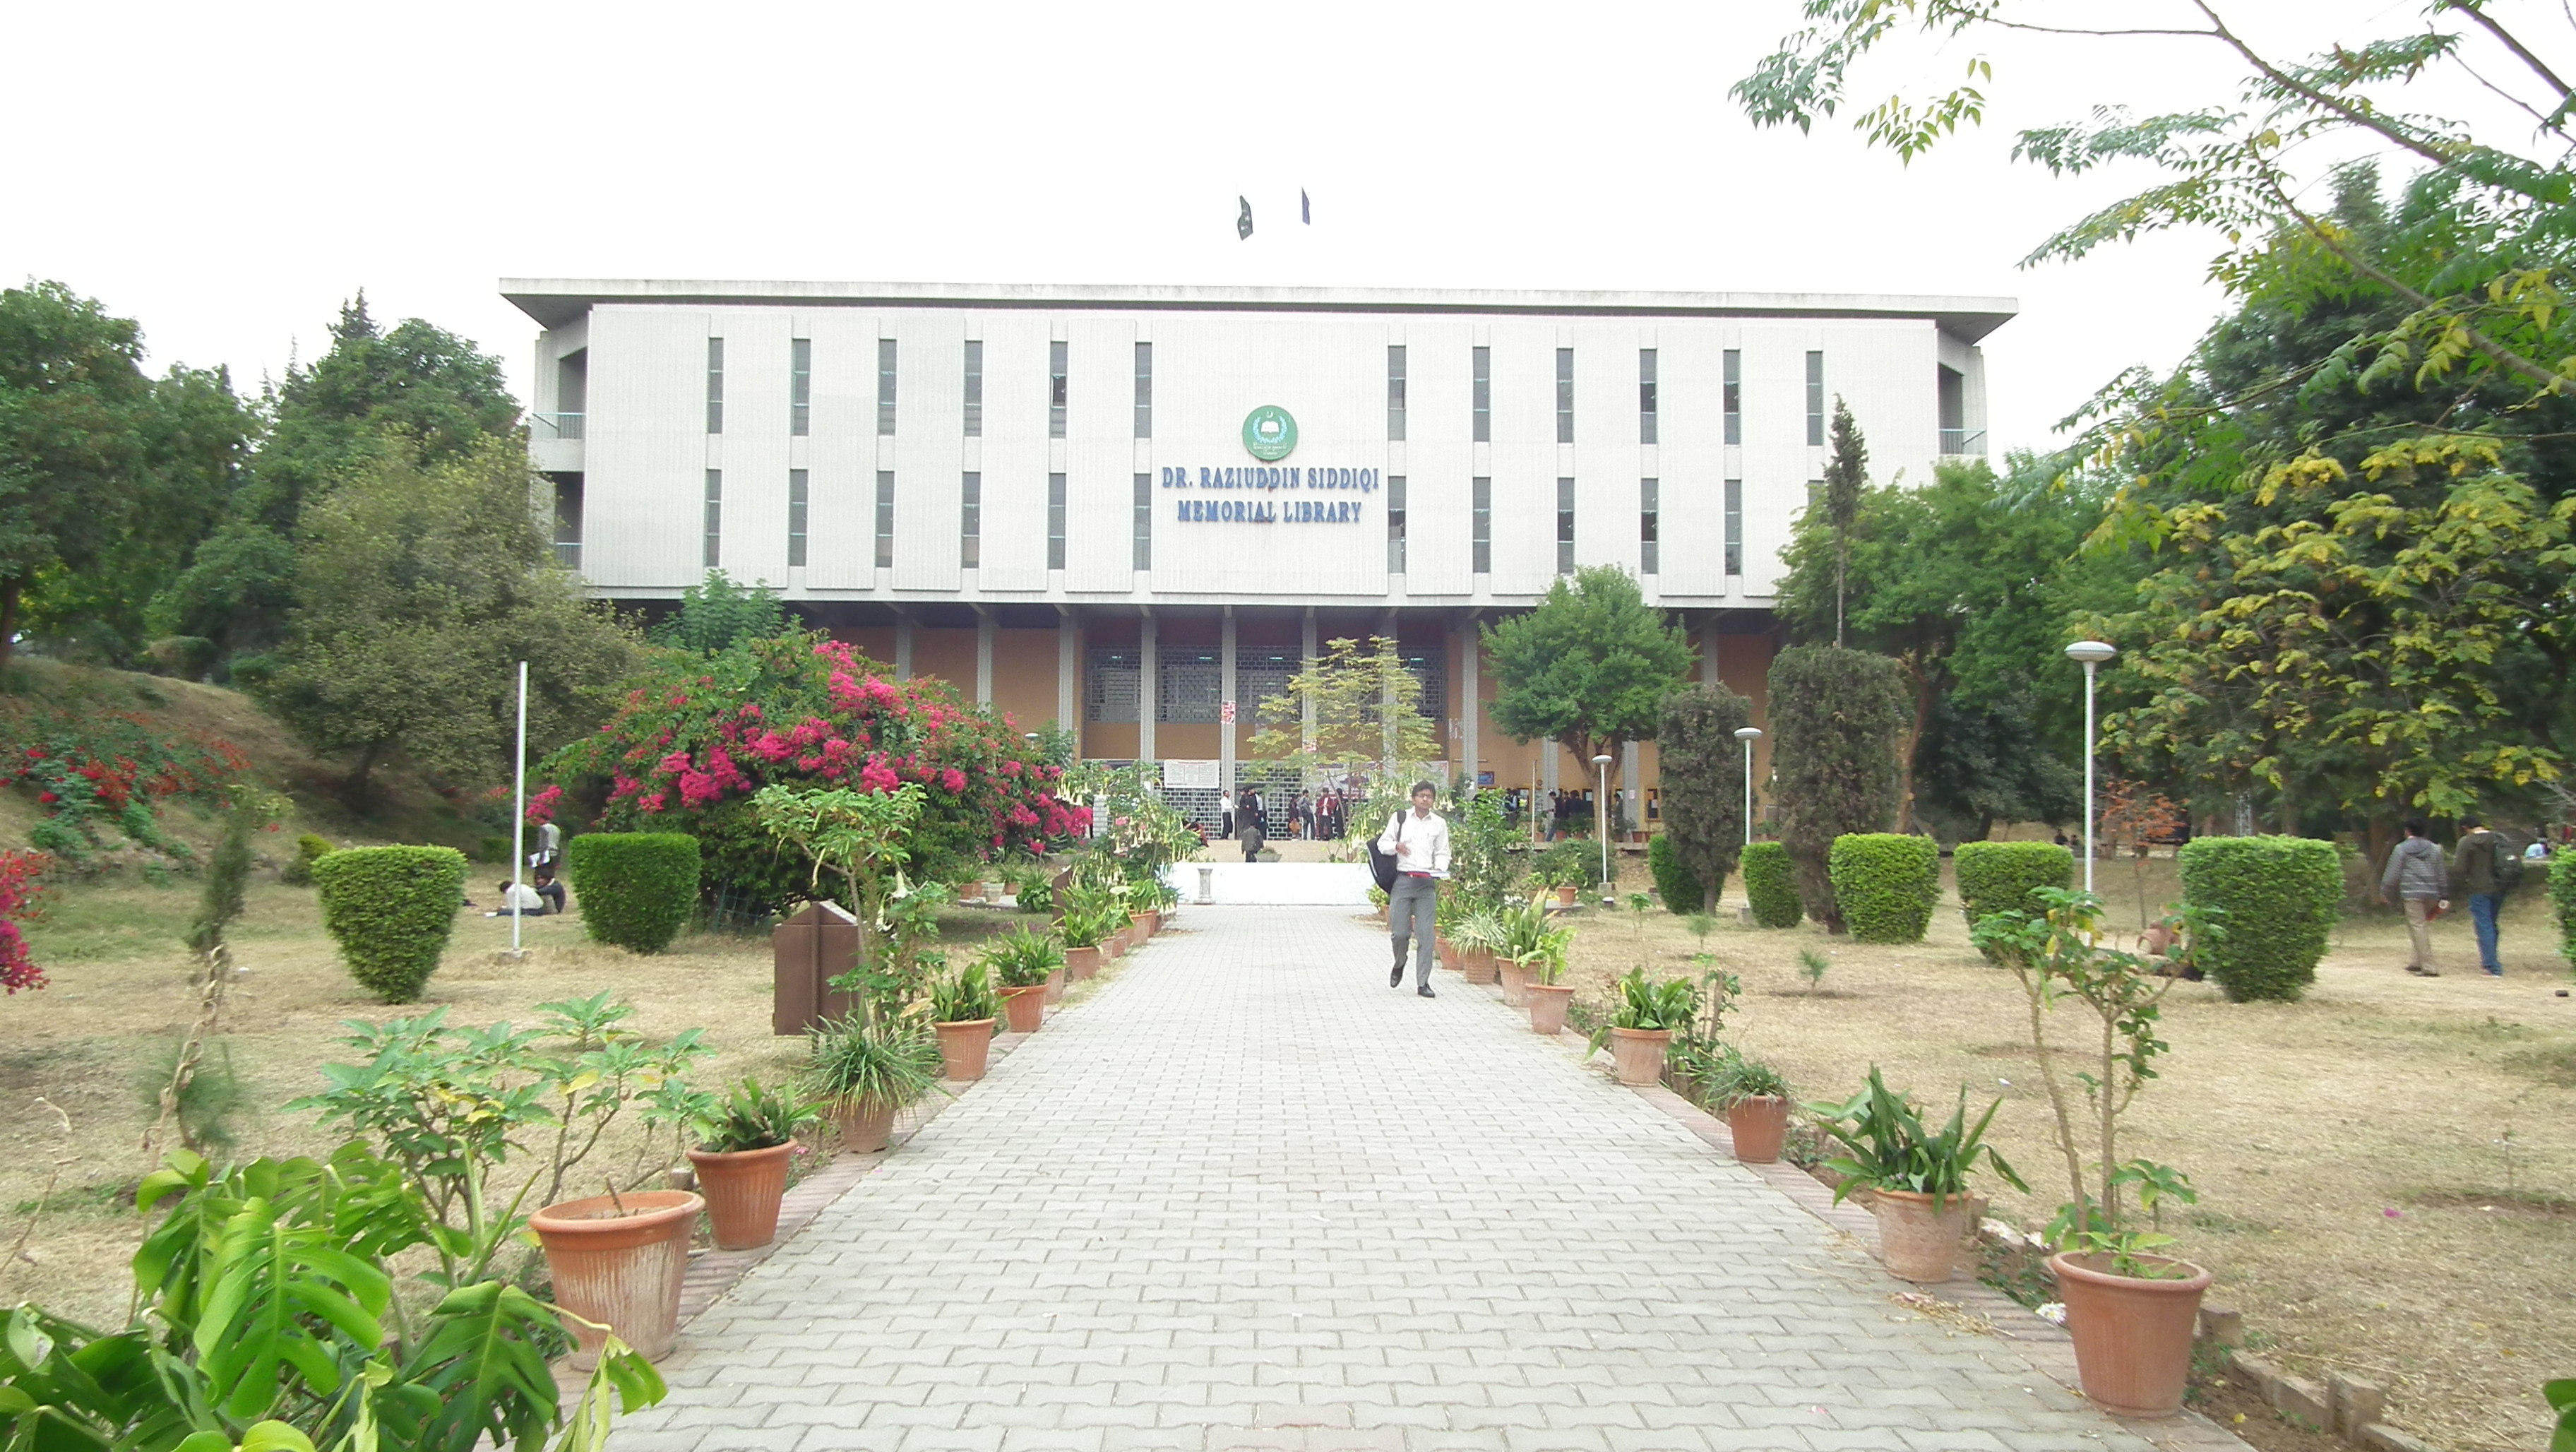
1682 893
2276 899
2559 875
637 889
1886 883
1771 881
391 909
2001 877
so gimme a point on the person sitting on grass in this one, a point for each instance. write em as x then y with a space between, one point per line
520 899
549 889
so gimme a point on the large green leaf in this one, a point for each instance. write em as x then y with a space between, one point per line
485 1361
271 1281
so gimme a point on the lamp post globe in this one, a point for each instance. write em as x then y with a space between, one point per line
1748 735
2090 654
1601 820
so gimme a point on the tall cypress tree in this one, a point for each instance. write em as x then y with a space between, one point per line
1846 475
1836 714
1702 766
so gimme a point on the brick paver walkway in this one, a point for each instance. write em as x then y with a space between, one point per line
1247 1197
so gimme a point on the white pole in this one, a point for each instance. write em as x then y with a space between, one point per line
519 815
1748 791
1601 820
2088 776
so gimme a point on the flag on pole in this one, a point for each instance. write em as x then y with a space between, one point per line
1243 221
1305 208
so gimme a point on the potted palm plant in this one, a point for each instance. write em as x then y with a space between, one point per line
1479 934
1086 925
1755 1098
741 1162
2131 1312
867 1072
1917 1179
1024 962
1535 952
963 1008
1642 1024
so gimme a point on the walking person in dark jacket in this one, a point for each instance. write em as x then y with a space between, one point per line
2482 880
2418 877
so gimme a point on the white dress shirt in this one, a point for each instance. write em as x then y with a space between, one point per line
1427 837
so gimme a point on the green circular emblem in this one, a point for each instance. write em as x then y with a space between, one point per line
1269 434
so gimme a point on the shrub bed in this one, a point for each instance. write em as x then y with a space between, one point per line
391 909
298 871
2558 877
637 889
1886 883
1999 877
1772 884
2275 898
1682 892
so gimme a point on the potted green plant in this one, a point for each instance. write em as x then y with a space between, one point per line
1086 923
1642 1024
1533 954
741 1160
1478 933
1917 1179
1377 901
963 1008
1024 963
2131 1312
867 1072
1755 1098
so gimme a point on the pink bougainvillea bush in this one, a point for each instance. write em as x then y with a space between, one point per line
694 739
21 884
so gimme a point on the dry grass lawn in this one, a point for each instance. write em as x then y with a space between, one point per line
2387 1169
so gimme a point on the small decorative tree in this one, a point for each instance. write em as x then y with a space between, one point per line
1835 715
1846 476
1354 703
863 839
1590 667
1703 785
2137 812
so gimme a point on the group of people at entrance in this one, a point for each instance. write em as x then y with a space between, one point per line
2421 879
1252 822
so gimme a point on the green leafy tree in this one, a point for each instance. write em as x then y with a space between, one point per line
1590 667
1846 477
419 587
1354 703
1702 766
713 616
1835 715
107 477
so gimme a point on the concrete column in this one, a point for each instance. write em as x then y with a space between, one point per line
1225 693
1549 755
902 647
1631 788
1148 690
1386 627
1306 661
983 656
1464 655
1068 674
1708 650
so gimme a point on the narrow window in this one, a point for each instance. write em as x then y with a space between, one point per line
1481 542
715 385
1395 524
800 386
1055 519
1144 521
715 517
1731 396
1565 526
1144 391
568 521
885 519
795 516
1735 526
1484 395
1646 492
1395 391
1055 390
1565 395
1646 395
970 520
1815 400
974 388
885 385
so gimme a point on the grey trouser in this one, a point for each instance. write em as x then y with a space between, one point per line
1410 907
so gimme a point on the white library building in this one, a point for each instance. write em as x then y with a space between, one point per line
1133 511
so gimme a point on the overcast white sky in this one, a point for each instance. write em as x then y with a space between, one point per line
228 174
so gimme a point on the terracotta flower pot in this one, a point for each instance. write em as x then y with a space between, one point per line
2132 1335
1515 981
1024 1008
1914 1242
963 1048
1081 963
1055 986
1479 966
1380 910
1547 1007
1140 926
1758 1126
1565 897
621 1270
742 1190
867 1125
1638 1054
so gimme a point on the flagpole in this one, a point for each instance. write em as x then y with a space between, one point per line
519 815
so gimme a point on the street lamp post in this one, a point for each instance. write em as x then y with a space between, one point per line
1601 820
1748 735
2091 654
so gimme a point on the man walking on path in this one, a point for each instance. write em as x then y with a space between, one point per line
2482 879
1418 840
2417 875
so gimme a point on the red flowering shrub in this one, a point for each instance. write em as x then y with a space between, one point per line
697 737
21 883
94 769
